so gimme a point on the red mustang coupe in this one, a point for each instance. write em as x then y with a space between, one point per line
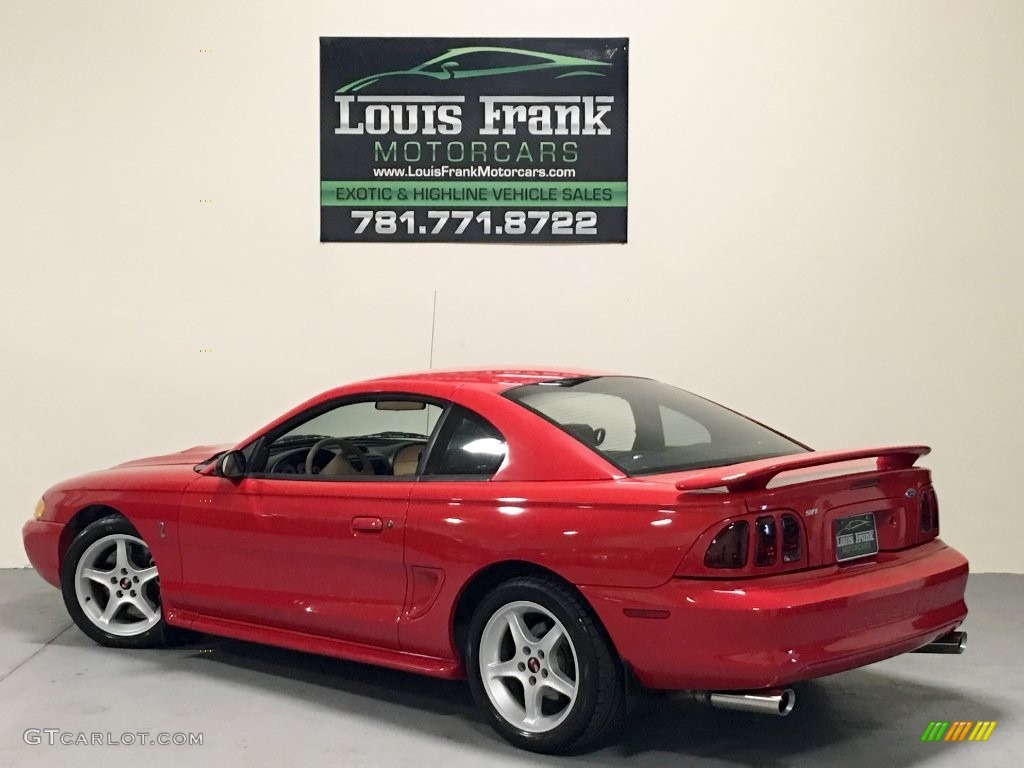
553 536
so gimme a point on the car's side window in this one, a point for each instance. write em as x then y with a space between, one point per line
379 438
467 445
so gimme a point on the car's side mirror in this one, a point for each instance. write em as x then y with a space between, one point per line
231 465
449 65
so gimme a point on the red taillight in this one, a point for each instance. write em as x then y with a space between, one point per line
929 511
775 538
766 544
729 548
791 539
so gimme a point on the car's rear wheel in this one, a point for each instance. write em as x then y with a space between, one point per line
541 666
111 586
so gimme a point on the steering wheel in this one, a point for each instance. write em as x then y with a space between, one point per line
344 463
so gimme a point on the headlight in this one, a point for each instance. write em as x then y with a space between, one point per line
40 507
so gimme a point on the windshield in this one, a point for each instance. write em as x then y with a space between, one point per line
644 427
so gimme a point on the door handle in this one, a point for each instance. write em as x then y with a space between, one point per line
367 525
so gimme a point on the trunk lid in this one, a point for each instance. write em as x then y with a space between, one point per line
837 497
825 506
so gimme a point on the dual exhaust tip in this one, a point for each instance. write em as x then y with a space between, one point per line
951 642
781 702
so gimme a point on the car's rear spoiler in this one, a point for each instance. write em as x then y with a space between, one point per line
755 475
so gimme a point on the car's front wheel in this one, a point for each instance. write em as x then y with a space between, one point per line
111 586
541 666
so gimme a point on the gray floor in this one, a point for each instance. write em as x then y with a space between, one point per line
259 706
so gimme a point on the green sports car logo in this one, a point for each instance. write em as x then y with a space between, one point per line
855 524
485 61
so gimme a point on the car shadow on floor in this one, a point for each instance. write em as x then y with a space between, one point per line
866 715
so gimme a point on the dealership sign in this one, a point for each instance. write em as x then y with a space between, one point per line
473 140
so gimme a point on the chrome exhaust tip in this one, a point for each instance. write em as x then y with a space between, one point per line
778 703
951 642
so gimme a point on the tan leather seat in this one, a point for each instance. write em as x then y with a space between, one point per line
342 463
339 466
407 459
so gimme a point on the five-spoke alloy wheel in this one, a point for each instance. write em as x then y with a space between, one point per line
111 586
530 680
542 667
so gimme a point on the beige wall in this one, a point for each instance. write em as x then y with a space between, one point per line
826 230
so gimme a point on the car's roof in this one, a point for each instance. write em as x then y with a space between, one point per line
494 379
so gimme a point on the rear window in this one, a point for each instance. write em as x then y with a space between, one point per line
645 427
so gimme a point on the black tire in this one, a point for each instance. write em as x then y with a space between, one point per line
600 703
158 635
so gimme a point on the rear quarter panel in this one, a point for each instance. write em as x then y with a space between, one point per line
622 533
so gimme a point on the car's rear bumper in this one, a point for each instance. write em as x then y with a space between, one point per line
42 545
748 634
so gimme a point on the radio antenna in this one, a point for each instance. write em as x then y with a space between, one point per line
433 325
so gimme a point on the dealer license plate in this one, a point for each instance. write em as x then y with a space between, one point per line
855 537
